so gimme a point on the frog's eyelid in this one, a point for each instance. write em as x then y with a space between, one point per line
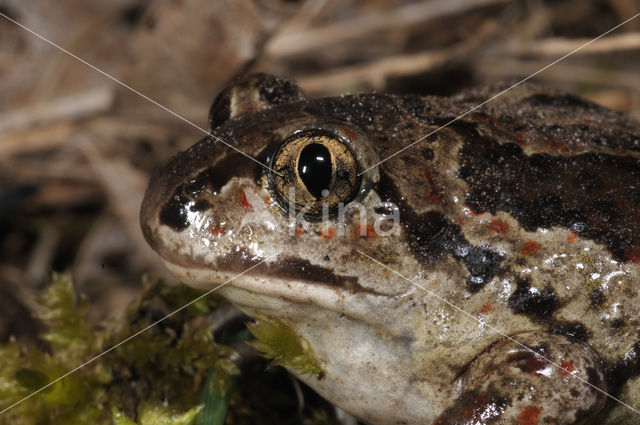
582 46
114 79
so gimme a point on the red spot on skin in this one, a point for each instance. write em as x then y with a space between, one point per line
485 308
529 415
534 363
555 145
519 138
472 212
243 200
476 407
529 248
299 230
327 233
367 232
632 254
499 226
215 231
567 367
480 116
427 175
435 198
571 237
350 134
461 221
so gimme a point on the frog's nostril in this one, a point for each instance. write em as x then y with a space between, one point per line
174 213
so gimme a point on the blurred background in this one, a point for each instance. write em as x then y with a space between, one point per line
76 149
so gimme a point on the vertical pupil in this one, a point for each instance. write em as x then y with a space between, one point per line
314 168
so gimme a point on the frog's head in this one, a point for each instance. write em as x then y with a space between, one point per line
284 219
298 192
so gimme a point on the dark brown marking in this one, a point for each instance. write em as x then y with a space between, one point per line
431 235
534 302
188 196
581 193
293 269
620 372
572 330
474 408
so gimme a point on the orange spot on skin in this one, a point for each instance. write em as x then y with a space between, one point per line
519 138
327 233
529 248
499 226
480 116
350 134
368 232
571 237
567 367
299 230
555 145
461 220
485 308
632 254
529 415
215 231
267 200
243 200
472 212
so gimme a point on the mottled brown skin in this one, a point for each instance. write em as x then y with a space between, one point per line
524 213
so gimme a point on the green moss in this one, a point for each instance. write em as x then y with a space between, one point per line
168 362
279 342
156 413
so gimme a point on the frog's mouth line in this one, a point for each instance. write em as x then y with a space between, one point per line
258 289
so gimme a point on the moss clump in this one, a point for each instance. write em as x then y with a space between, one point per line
155 378
277 341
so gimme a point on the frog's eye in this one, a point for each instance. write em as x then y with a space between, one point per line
314 169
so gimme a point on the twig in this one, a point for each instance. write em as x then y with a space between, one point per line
291 43
372 74
74 107
560 46
508 68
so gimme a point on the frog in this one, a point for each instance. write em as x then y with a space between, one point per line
447 263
